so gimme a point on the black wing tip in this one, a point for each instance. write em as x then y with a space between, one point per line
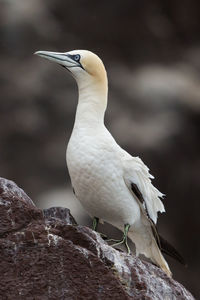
168 249
164 245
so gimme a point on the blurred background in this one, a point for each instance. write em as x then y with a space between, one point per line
151 50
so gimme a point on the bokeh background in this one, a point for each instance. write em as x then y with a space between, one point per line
152 53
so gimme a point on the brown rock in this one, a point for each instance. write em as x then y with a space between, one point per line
45 255
16 208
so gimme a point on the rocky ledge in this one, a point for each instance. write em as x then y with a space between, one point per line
46 255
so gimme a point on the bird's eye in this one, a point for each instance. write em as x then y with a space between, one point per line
77 57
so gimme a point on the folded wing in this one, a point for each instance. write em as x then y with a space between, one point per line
138 180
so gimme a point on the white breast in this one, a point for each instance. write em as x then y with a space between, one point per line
97 177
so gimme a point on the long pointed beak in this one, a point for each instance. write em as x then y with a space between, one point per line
60 58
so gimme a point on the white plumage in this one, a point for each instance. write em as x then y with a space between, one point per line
110 183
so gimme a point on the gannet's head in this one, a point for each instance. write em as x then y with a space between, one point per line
84 65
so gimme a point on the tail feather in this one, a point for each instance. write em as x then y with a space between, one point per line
149 247
158 258
168 249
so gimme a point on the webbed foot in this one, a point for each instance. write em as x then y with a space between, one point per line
123 240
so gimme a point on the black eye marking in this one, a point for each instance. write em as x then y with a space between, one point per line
76 57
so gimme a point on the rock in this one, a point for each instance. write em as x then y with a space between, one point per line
16 208
45 255
60 213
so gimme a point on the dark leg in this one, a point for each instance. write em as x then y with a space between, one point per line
124 239
95 223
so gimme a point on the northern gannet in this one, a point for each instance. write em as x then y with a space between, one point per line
112 185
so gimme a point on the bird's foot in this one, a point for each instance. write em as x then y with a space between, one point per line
95 223
103 236
123 240
113 240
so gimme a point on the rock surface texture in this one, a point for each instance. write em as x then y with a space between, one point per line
46 255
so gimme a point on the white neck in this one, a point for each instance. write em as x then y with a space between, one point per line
92 104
